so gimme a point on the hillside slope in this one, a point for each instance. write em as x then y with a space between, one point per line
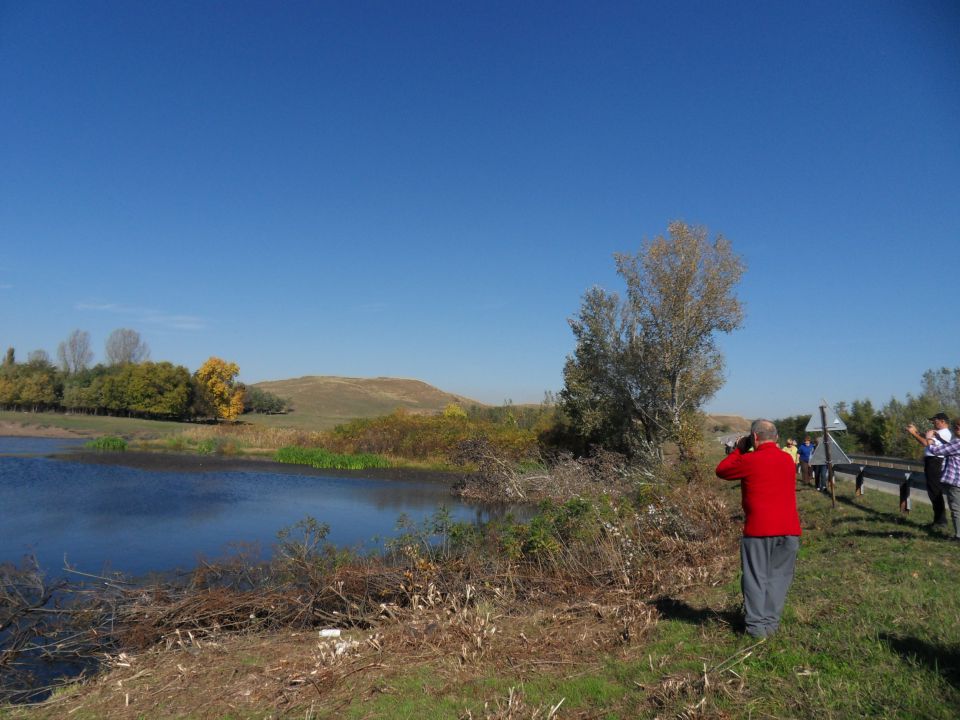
725 424
320 402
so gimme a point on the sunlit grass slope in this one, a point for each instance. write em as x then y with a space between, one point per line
322 402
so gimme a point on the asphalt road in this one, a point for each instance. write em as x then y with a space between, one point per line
917 493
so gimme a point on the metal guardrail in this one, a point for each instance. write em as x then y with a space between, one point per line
906 477
883 461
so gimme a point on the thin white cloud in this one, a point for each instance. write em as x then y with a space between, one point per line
6 286
148 316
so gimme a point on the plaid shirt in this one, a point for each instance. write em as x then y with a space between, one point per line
951 466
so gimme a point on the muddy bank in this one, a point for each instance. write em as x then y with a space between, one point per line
13 429
179 462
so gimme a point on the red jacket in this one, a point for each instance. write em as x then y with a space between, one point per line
767 488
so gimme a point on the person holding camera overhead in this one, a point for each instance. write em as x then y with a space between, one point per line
933 466
771 530
933 463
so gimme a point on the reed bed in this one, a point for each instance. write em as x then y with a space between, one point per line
245 436
107 442
320 458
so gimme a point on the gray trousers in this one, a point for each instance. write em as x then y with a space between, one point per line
768 564
953 499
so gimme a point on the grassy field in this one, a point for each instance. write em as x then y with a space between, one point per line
319 403
92 425
872 629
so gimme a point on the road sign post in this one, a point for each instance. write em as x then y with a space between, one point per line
826 447
828 451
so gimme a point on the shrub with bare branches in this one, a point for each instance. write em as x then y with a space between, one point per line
557 476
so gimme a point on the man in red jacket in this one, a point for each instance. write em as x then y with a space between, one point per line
771 530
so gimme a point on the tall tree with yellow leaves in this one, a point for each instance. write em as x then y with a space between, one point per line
215 381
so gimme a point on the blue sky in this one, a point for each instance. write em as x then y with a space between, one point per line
427 189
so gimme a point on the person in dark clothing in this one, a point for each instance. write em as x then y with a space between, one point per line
803 453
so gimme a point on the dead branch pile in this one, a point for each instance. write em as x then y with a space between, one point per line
37 627
558 477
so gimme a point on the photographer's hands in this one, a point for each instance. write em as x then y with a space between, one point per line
923 440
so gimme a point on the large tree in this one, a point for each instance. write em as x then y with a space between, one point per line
943 387
125 346
644 364
74 353
39 359
217 388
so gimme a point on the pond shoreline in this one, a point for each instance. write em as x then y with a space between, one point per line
183 462
13 429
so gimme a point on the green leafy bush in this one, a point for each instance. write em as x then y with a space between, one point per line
107 442
176 443
218 446
437 536
207 447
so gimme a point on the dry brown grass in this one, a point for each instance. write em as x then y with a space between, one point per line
252 436
298 674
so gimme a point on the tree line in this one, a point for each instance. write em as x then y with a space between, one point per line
880 431
128 384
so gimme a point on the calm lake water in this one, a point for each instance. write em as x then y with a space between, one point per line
109 517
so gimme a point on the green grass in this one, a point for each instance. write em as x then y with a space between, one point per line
872 626
95 424
320 458
107 442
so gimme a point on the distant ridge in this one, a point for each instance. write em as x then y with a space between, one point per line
322 401
725 424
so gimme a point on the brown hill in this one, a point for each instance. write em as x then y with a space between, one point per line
320 402
725 424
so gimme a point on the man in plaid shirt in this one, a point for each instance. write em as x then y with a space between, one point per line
950 475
